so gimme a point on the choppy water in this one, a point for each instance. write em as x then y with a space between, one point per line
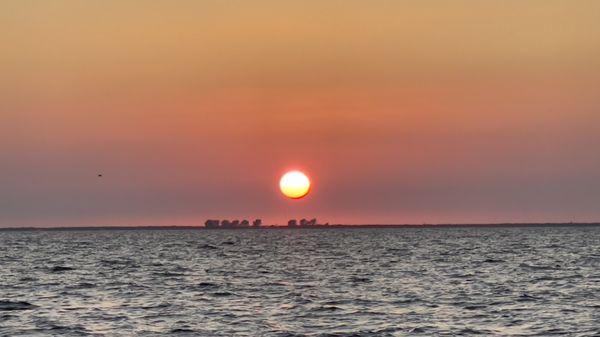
302 282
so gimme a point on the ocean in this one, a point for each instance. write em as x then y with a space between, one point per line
523 281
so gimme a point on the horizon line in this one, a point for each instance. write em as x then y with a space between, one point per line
202 227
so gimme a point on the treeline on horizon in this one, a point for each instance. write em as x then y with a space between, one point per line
210 223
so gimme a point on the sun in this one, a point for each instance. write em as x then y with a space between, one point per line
294 184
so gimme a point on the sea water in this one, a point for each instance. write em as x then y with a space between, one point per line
301 282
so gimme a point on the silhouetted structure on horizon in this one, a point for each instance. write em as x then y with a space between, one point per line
305 223
211 223
222 224
231 224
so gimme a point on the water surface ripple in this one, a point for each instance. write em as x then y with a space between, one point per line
301 282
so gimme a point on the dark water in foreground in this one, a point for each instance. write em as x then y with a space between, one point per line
307 282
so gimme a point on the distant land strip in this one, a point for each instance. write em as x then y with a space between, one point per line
200 227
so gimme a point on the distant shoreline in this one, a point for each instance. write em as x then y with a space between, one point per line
494 225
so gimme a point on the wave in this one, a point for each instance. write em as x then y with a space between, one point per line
16 305
60 269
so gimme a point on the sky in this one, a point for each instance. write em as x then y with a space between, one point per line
406 111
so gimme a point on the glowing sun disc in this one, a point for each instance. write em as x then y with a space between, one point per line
294 184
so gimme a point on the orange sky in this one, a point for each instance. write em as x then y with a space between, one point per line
400 111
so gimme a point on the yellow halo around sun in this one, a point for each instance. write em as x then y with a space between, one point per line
294 184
